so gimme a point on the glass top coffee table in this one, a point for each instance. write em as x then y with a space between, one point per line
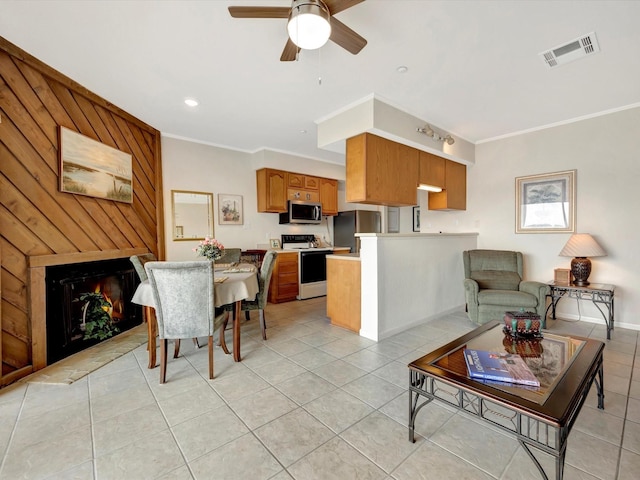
540 417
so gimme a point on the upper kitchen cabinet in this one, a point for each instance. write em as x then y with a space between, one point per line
272 192
275 187
381 172
432 170
454 195
328 195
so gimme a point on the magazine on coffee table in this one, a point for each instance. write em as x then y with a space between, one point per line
499 366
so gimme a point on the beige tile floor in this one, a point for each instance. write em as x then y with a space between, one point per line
312 402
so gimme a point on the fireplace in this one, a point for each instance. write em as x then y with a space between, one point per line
87 303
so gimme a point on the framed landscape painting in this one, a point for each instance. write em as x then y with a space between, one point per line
230 209
88 167
546 203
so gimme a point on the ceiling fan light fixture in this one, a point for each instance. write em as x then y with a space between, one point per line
309 27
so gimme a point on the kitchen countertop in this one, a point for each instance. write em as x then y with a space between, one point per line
345 256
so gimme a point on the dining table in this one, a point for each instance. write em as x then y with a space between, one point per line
232 285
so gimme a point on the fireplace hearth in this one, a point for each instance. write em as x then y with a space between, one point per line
88 303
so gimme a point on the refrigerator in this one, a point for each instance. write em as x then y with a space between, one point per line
346 224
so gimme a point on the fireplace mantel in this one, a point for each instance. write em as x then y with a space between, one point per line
37 291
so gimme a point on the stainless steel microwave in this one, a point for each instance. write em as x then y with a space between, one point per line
302 212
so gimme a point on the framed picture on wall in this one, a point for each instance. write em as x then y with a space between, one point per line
230 209
88 167
546 203
416 219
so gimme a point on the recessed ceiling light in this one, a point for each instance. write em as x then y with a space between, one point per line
191 102
402 69
303 131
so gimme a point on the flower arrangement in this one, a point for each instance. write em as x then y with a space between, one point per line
210 248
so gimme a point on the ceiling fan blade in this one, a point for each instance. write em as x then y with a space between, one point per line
337 6
290 52
345 37
259 12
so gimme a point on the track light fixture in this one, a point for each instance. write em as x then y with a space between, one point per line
429 132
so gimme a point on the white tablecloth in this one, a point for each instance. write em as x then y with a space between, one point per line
237 286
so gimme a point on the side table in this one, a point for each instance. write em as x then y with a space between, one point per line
599 293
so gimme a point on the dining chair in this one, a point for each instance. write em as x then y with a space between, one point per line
260 302
184 294
138 264
230 255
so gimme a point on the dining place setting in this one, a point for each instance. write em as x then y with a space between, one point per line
195 299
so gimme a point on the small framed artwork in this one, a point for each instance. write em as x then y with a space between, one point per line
230 209
275 243
562 275
416 219
546 203
89 167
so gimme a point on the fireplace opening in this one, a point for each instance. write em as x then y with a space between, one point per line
88 303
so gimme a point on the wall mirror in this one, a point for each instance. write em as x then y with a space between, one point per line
192 215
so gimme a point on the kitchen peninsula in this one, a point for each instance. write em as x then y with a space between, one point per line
405 279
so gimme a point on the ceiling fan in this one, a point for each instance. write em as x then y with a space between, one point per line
310 24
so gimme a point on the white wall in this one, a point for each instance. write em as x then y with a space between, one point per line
204 168
604 151
410 278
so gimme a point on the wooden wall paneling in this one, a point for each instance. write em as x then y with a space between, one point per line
15 351
23 97
37 310
37 221
50 104
56 211
15 322
139 164
157 159
19 235
26 213
14 290
13 259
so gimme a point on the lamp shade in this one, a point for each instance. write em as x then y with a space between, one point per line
582 245
309 25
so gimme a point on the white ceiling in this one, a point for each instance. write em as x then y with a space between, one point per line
474 68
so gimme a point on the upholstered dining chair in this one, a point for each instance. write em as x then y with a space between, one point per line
184 295
138 264
230 255
493 285
260 302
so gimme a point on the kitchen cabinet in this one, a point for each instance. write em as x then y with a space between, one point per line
454 195
329 196
303 195
284 279
381 172
275 187
343 291
431 170
271 190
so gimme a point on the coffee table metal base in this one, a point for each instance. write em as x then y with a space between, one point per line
530 431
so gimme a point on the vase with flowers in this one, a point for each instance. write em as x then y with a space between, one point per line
210 248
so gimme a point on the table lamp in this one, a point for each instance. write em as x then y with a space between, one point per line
580 246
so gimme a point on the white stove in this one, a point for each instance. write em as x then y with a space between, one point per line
312 268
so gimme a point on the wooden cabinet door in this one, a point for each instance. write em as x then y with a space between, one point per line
271 190
284 279
311 183
295 180
381 172
454 196
329 196
432 170
303 195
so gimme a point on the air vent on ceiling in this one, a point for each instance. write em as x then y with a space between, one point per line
570 51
